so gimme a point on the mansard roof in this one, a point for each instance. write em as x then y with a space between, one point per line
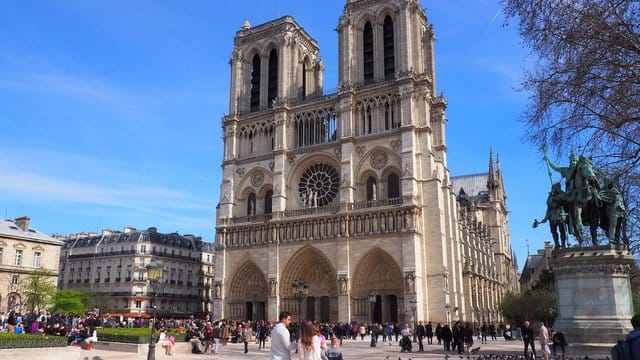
472 187
8 228
533 261
135 236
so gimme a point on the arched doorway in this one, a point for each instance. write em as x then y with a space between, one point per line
312 266
378 286
247 294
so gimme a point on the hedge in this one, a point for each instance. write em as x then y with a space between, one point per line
12 341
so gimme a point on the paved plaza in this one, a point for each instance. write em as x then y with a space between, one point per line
351 349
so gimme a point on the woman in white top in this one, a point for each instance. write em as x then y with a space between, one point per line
309 344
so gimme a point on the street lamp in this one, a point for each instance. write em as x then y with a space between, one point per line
300 291
372 299
154 273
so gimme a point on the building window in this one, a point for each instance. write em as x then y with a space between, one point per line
273 78
367 51
389 58
140 276
318 185
1 252
393 186
15 279
251 204
268 197
36 259
371 189
138 304
255 83
18 259
143 249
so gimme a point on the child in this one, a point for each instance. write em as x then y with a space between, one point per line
334 352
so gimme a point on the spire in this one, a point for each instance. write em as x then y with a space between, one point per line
246 25
492 182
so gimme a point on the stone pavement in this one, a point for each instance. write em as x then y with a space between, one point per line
351 350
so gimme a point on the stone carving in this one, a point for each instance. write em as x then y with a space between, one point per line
218 290
379 160
395 145
271 165
592 269
257 178
272 287
360 150
342 280
410 282
240 171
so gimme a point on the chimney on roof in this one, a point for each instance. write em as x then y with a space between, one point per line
152 229
106 232
129 229
23 223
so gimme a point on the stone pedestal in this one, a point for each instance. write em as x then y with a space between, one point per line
594 294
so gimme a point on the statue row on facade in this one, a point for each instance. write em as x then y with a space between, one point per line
589 199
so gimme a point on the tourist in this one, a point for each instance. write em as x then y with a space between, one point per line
334 352
420 332
309 347
405 342
635 335
165 341
247 335
528 339
447 336
468 337
429 331
543 337
557 339
281 338
458 337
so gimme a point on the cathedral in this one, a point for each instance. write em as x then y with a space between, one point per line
340 206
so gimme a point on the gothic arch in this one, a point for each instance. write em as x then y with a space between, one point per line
388 159
247 186
377 271
248 285
315 268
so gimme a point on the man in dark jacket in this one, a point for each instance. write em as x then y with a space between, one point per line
429 330
458 337
635 335
447 336
528 339
420 333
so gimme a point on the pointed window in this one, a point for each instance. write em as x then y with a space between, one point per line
268 197
371 189
251 204
393 186
273 77
304 78
389 56
367 51
255 83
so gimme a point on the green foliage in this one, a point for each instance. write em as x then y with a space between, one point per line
67 302
534 304
11 341
38 289
131 335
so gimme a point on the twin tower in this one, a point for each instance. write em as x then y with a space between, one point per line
349 191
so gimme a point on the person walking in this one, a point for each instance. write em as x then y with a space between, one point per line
429 332
281 338
543 337
420 332
527 338
447 336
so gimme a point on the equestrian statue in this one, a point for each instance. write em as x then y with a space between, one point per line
589 199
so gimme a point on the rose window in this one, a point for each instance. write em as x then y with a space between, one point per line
318 185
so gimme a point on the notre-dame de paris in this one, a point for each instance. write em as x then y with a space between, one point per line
350 191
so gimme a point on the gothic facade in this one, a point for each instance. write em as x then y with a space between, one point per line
348 191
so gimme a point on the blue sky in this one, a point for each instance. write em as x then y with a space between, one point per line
110 112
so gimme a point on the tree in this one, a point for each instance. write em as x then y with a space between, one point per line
585 88
67 302
38 289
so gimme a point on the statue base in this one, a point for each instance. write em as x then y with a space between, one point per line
594 294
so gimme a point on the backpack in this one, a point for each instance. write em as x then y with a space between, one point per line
622 350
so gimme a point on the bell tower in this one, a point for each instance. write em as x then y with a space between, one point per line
379 39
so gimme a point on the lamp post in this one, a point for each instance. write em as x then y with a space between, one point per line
373 297
300 291
154 273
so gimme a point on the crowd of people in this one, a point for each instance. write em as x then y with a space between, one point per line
309 340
